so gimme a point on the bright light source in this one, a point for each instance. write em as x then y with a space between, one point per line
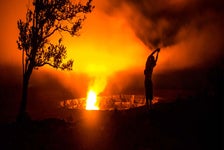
91 102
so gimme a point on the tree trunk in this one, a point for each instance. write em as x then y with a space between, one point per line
23 115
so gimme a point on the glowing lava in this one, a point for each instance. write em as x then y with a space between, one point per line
91 102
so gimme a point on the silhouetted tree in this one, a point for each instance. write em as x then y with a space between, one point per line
46 19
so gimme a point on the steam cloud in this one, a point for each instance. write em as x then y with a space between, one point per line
157 23
189 30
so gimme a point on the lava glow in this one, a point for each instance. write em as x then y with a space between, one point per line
91 102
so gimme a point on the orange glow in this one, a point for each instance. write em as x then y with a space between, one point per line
97 85
155 100
91 101
107 44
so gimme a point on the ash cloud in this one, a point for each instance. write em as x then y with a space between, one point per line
157 23
188 31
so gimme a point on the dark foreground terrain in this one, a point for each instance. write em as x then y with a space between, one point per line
185 124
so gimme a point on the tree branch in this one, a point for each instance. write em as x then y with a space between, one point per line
45 63
63 66
50 34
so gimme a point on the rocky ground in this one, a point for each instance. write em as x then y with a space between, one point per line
191 123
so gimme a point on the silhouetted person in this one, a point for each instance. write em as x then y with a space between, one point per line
150 64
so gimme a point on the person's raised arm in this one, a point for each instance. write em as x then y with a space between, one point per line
158 49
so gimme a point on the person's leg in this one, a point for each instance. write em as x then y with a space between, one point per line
150 95
147 99
147 103
150 103
147 93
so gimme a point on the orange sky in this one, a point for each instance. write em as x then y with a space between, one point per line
109 42
107 45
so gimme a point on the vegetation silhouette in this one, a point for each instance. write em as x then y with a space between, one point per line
44 20
150 64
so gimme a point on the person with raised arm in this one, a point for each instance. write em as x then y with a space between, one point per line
150 64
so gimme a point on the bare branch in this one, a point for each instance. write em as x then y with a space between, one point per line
50 34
